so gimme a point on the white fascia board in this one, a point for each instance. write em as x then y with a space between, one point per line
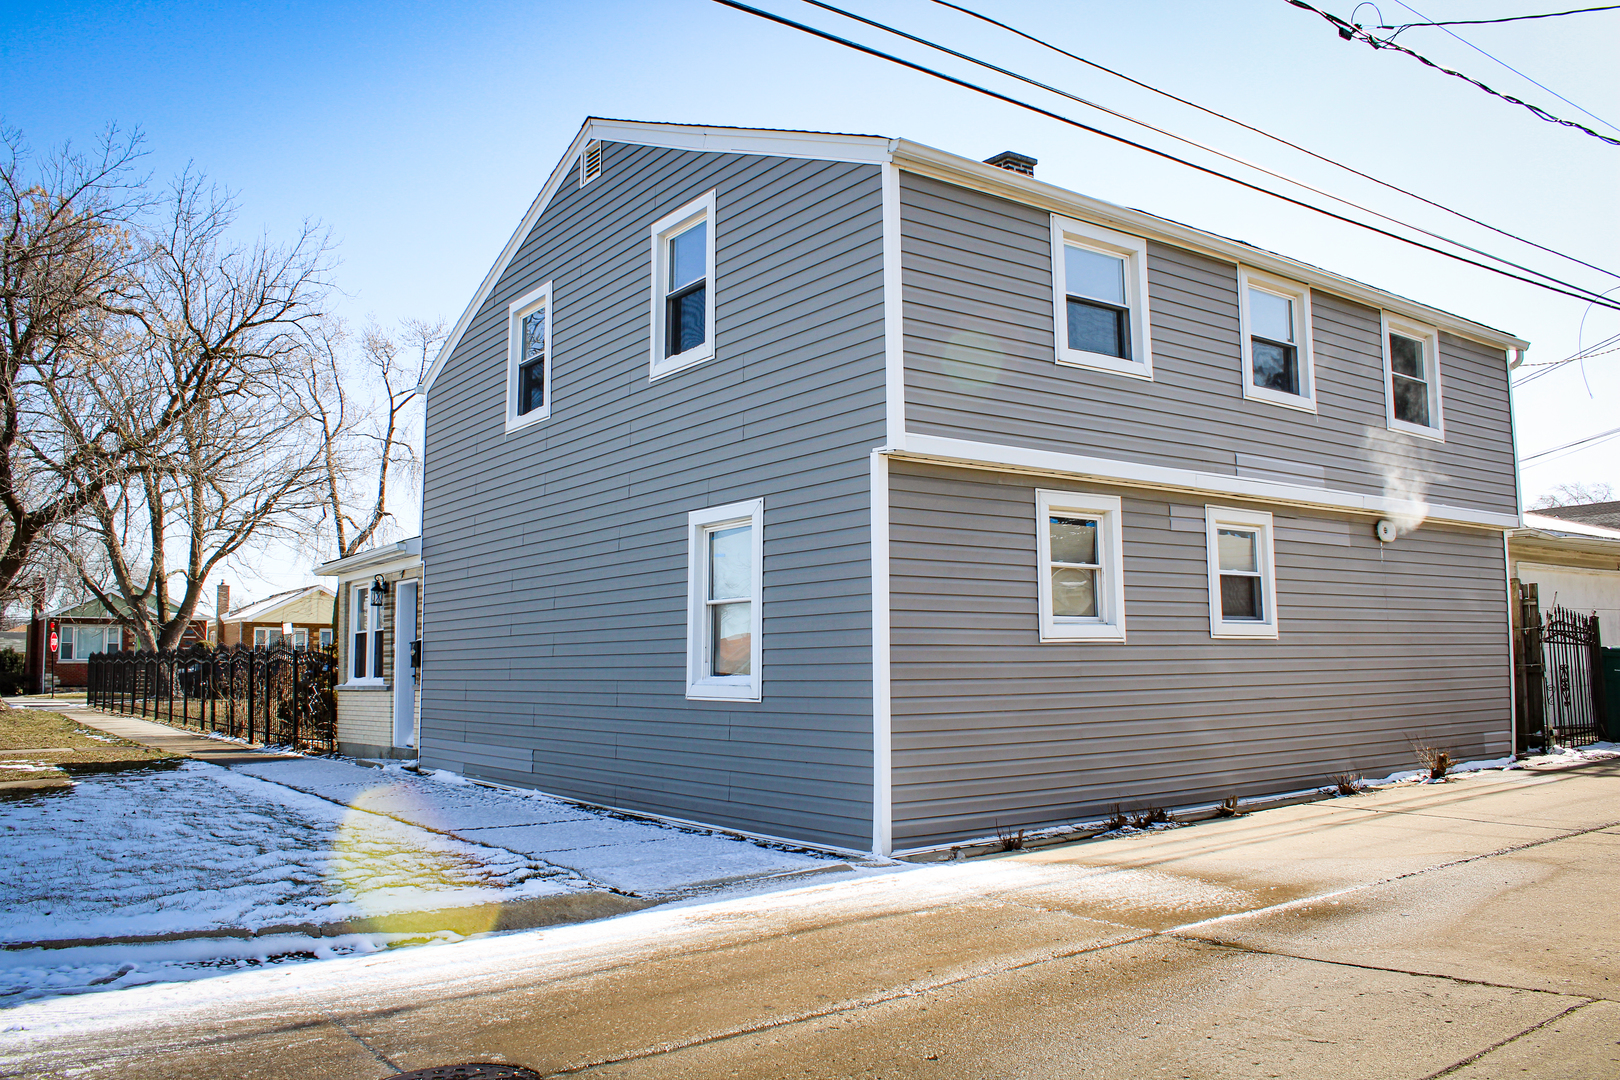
822 146
385 560
941 165
934 448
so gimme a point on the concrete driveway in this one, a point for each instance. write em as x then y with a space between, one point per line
1466 929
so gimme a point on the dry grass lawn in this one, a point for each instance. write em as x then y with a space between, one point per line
39 748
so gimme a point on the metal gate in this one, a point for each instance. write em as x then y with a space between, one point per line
1559 673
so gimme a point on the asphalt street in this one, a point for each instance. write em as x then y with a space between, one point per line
1463 929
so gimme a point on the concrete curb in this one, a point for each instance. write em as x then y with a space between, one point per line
466 921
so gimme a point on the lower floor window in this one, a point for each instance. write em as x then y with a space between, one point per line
1081 551
81 642
724 573
1242 575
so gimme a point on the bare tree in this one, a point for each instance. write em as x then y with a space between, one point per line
66 258
1573 494
206 388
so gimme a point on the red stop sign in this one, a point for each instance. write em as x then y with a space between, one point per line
54 641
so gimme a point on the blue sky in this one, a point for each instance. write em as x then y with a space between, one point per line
420 132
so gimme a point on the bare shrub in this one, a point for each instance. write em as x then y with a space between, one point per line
1347 783
1228 807
1010 841
1116 819
1153 815
1438 762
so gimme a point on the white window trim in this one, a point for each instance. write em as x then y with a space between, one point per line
372 679
1306 356
1430 337
699 523
1260 521
659 365
1133 249
1110 627
525 305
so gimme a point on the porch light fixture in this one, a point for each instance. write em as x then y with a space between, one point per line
379 589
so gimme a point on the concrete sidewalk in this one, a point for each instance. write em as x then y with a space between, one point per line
1465 929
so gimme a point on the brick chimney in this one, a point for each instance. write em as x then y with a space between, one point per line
1018 163
222 604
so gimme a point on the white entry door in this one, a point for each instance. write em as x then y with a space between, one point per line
404 676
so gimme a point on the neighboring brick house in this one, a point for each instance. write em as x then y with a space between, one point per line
83 629
304 615
379 702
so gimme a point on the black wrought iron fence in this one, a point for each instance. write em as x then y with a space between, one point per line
278 696
1559 675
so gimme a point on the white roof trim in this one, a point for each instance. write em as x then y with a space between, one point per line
953 168
252 611
399 556
942 165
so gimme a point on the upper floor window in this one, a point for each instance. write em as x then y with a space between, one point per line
1081 583
528 358
724 579
1242 573
683 287
1099 279
1276 331
1412 377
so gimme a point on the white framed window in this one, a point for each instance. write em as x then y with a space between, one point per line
683 287
1242 573
528 358
725 556
365 624
1412 377
1100 298
1274 319
300 638
326 637
265 636
1078 540
77 641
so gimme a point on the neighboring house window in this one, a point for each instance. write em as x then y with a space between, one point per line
326 637
265 636
300 639
528 358
1276 328
725 549
1412 377
366 623
1242 573
1082 579
683 287
1099 281
79 642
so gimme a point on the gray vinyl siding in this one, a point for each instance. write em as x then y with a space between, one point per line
1379 646
980 348
555 622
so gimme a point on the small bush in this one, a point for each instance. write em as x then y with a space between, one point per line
1116 819
1438 762
1347 783
1153 815
11 672
1010 841
1228 807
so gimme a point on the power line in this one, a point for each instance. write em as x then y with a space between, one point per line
1487 22
1568 289
1351 32
1602 436
1172 135
1505 64
1274 138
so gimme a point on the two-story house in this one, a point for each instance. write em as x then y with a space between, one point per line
836 488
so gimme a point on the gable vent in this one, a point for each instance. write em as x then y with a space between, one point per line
590 162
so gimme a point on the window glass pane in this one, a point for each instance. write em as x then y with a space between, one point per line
688 256
731 647
531 386
1074 540
1097 329
534 335
1240 597
1411 400
1074 592
362 610
1406 356
1093 274
1271 316
1276 367
1236 549
686 315
731 562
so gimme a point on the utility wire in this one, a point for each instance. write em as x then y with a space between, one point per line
1547 367
1503 63
1602 436
1274 138
1487 22
1351 32
1575 291
1179 138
